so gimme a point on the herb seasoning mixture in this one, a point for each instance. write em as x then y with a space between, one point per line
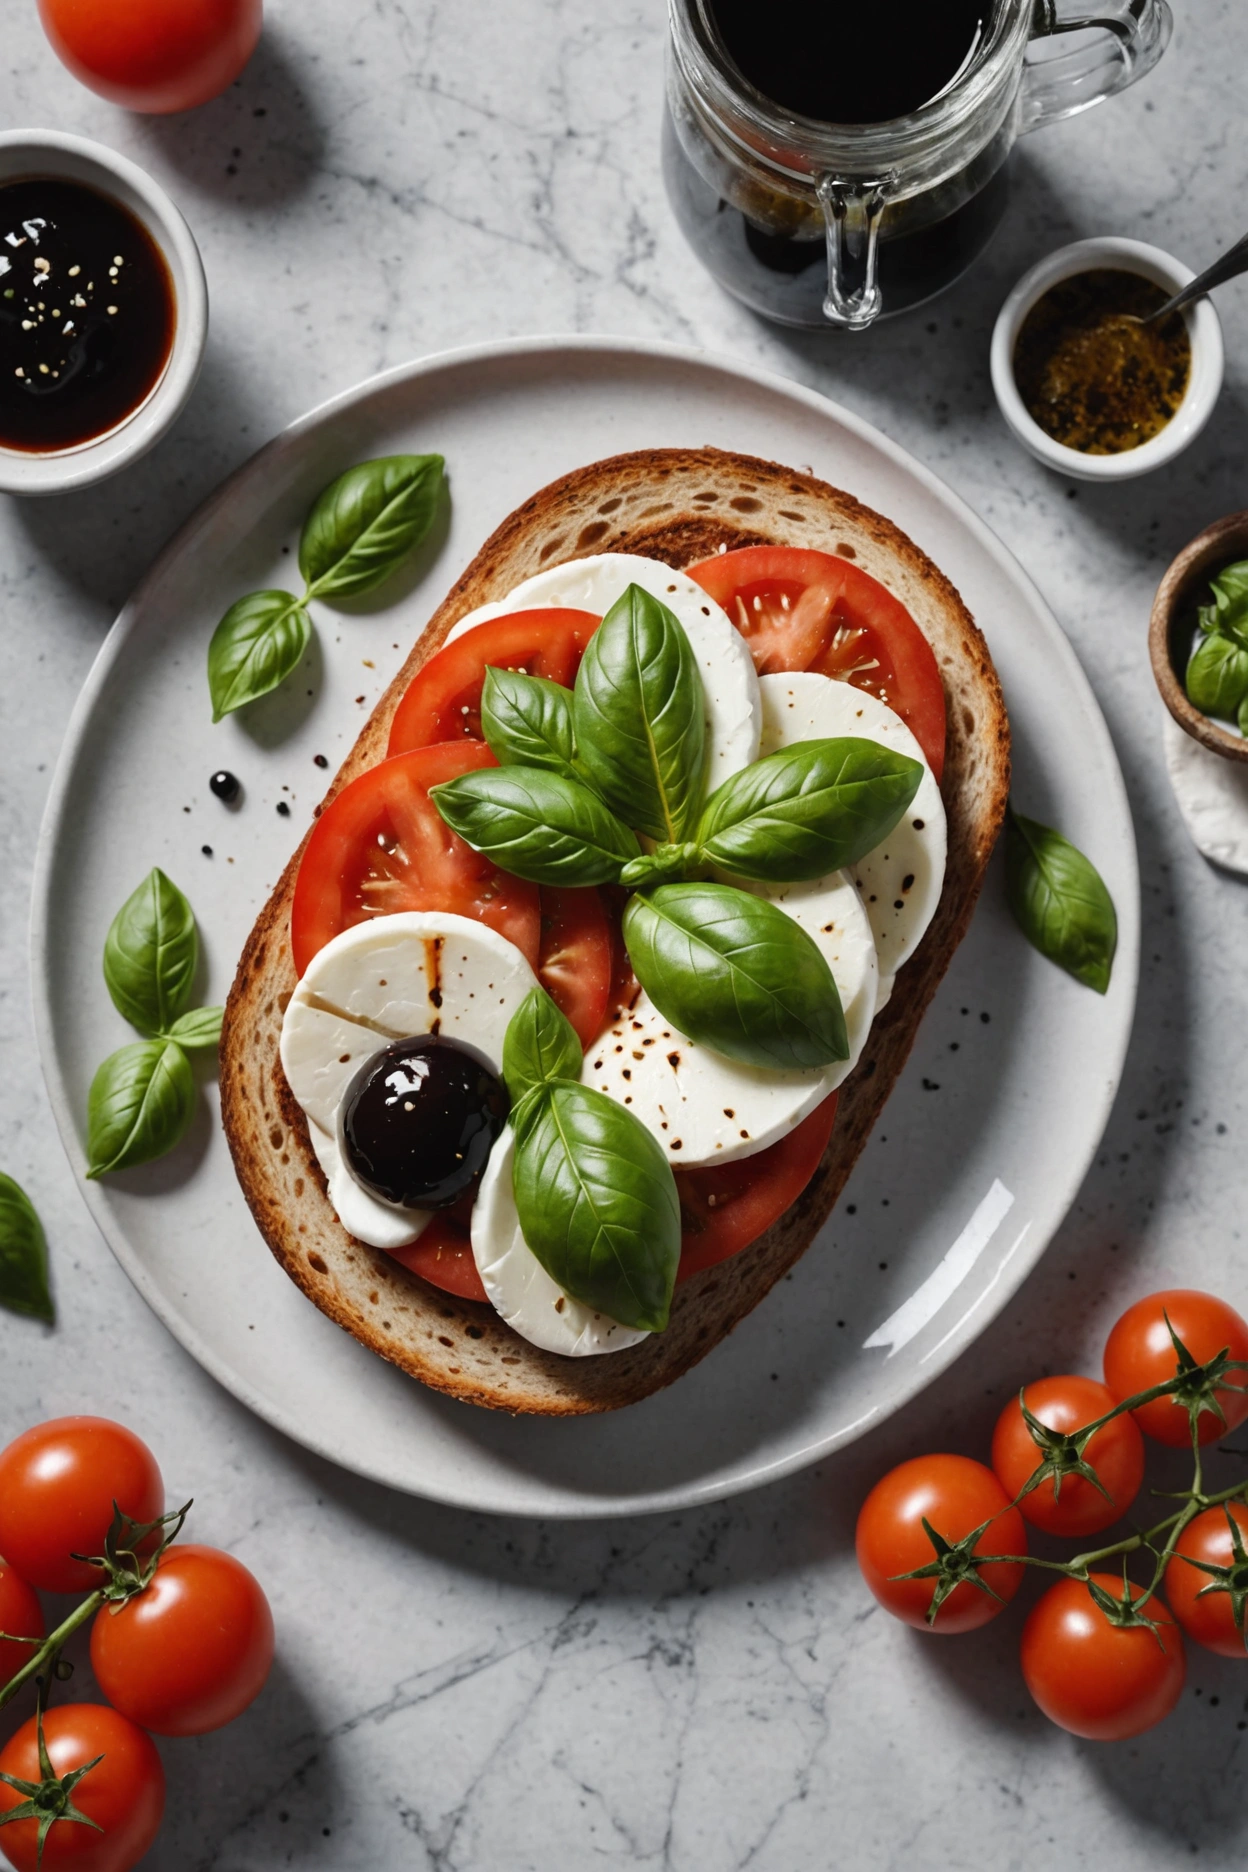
86 314
1089 374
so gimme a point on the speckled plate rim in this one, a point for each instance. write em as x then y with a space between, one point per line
1015 1266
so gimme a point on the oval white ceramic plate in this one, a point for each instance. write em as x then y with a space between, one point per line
979 1153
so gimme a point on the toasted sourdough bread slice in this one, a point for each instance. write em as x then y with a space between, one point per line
679 506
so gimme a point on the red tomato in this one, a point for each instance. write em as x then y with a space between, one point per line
1116 1453
1097 1679
955 1495
153 55
382 846
442 1253
815 611
1202 1604
192 1650
443 700
725 1207
1139 1354
124 1793
577 958
58 1483
21 1616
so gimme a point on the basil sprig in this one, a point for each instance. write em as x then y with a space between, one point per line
737 974
361 528
1217 673
594 1191
143 1096
1060 901
23 1254
639 716
727 968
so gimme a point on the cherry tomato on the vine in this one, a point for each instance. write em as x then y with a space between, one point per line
1097 1679
124 1794
1140 1353
954 1495
1204 1603
192 1650
58 1483
21 1616
1116 1453
153 55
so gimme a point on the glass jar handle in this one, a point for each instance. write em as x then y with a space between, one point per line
1121 41
851 215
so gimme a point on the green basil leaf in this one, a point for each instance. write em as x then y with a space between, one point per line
139 1106
1217 676
1059 901
640 727
1243 717
198 1030
808 810
540 1046
256 646
537 825
1230 596
23 1254
150 955
1207 617
737 974
366 522
597 1204
527 721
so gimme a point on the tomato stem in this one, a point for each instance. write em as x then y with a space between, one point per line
47 1653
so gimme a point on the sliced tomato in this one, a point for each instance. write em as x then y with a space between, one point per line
443 701
725 1207
815 611
577 958
442 1253
382 846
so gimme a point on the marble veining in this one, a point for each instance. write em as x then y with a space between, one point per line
713 1690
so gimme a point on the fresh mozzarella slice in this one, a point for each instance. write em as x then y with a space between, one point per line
521 1290
392 978
729 685
707 1109
901 879
361 1213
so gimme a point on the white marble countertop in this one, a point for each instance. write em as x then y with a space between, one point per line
709 1690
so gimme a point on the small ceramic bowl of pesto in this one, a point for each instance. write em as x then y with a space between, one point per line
1198 638
1083 382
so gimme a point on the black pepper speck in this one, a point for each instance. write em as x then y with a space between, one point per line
283 808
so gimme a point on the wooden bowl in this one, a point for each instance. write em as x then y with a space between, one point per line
1173 620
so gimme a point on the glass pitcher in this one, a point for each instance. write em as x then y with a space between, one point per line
821 224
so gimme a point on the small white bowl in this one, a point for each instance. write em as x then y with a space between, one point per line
75 159
1204 385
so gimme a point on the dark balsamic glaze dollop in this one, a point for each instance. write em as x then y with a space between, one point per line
420 1119
226 785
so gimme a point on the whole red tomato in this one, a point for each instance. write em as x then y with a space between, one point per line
1097 1679
954 1495
21 1616
58 1483
1116 1453
124 1793
153 55
1205 1605
189 1652
1140 1353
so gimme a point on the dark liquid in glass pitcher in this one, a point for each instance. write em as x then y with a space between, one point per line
842 62
850 63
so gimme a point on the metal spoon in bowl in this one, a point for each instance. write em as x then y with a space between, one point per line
1232 263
